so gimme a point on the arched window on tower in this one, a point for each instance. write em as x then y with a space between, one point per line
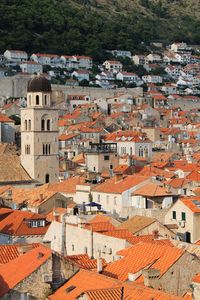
42 124
25 125
44 148
29 124
48 125
45 99
29 100
47 177
49 149
37 100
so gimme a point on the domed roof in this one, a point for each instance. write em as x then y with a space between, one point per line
39 84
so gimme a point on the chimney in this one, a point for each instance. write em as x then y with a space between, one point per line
155 234
118 177
56 216
99 263
151 277
41 197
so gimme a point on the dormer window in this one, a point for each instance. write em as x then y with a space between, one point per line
37 223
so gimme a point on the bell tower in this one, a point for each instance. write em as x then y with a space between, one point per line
39 132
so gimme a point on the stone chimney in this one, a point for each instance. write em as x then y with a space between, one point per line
118 177
151 277
99 263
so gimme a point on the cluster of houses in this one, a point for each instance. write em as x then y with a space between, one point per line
101 200
174 66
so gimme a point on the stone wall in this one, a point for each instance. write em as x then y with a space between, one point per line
159 214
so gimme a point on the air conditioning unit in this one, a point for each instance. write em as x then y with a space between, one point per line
182 224
47 278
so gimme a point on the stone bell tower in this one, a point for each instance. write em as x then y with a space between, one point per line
39 132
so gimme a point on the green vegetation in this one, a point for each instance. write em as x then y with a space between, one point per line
90 27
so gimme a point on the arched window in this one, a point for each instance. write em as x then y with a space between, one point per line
49 149
26 125
29 124
48 124
44 149
45 99
47 177
141 152
37 100
42 124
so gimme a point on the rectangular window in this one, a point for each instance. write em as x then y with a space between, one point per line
174 215
106 157
183 215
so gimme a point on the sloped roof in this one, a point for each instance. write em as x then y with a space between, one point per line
20 268
10 252
137 223
118 187
67 186
143 255
84 262
152 190
16 223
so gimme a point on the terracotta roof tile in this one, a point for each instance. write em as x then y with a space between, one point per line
118 187
84 262
152 190
136 223
67 186
20 268
141 256
10 252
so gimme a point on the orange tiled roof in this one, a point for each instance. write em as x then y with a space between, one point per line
178 182
32 196
142 256
84 262
66 137
20 268
118 187
152 171
152 190
136 223
189 202
194 175
5 119
82 281
196 278
67 186
10 252
100 227
16 223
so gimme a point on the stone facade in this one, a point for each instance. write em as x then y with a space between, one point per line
39 138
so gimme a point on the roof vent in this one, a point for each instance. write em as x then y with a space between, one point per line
70 288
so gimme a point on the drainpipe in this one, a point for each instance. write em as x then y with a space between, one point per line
63 235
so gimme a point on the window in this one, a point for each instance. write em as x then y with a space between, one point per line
46 149
42 124
37 100
183 216
174 215
111 167
27 149
47 177
29 100
45 99
115 200
106 157
26 125
72 247
48 125
29 124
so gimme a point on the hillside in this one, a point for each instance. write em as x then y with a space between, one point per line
90 26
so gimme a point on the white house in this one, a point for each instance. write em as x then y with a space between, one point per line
81 75
75 100
153 58
46 59
152 79
173 71
113 66
138 59
31 67
76 62
127 77
116 193
169 88
183 58
15 56
121 53
180 47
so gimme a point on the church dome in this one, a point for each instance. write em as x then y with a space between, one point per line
39 84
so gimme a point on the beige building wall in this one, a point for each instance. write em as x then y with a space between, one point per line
191 223
98 162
